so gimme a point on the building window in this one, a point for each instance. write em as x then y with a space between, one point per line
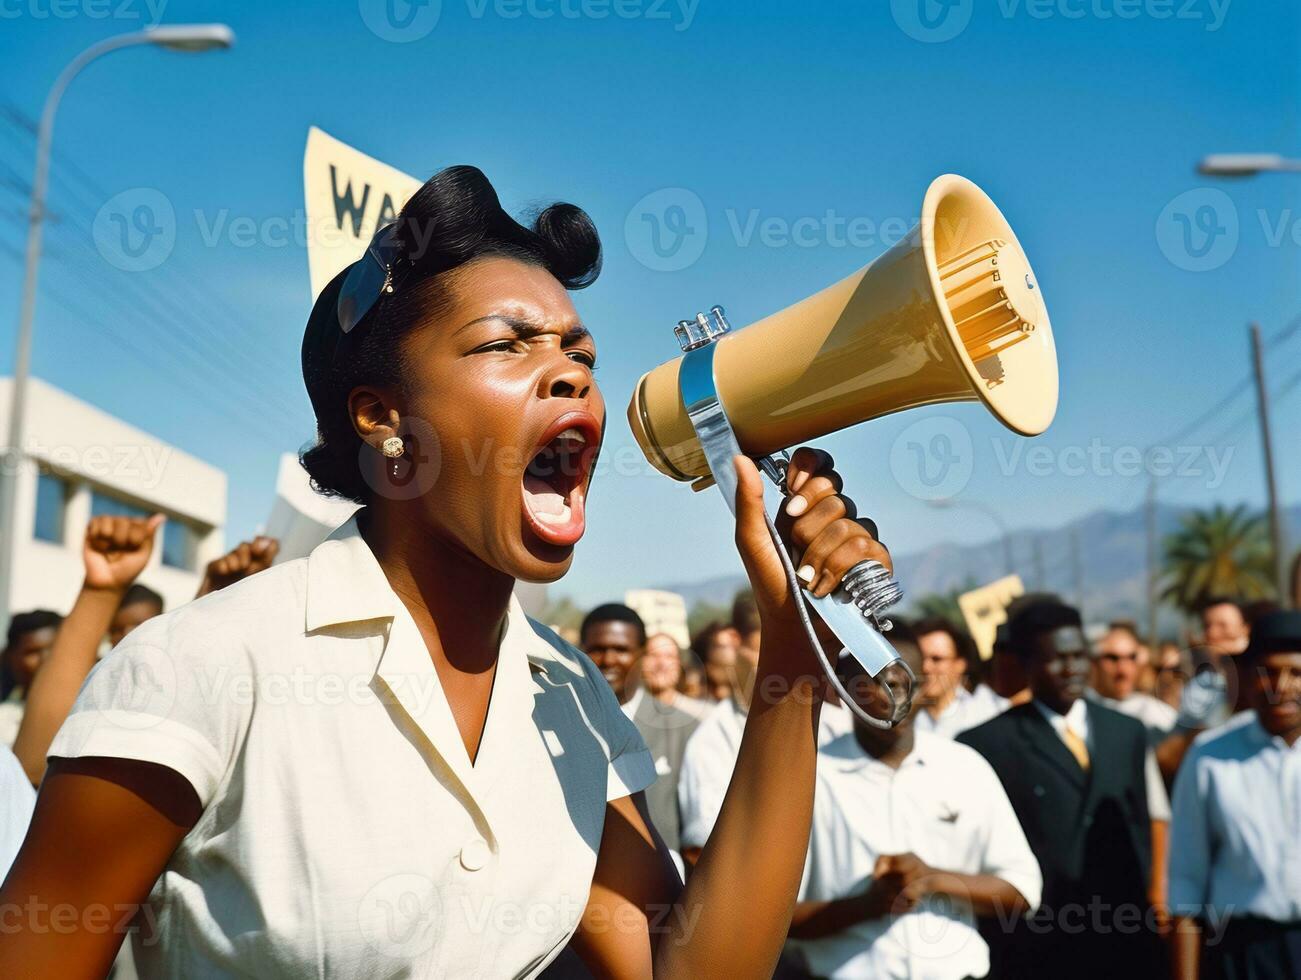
178 544
101 504
51 502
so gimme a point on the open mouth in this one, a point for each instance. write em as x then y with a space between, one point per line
555 481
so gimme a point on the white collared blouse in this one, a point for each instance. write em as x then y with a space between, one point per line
345 832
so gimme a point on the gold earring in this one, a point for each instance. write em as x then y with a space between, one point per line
393 448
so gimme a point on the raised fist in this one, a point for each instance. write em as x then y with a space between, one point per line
117 549
245 559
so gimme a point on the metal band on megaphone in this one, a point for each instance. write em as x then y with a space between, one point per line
718 440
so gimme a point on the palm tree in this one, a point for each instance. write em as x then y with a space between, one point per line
1219 552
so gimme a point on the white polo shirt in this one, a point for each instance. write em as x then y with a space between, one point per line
345 832
946 805
710 758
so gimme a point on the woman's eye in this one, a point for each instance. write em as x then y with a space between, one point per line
500 346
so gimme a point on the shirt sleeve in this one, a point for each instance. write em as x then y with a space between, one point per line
17 800
631 768
168 694
1190 841
702 784
1158 802
1007 853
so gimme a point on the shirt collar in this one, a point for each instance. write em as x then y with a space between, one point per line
1076 719
344 581
844 753
345 584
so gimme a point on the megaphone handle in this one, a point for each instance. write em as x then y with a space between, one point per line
840 610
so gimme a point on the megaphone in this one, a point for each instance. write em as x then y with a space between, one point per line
950 313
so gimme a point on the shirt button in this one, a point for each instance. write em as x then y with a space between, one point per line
475 854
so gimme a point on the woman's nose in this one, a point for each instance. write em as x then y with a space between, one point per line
569 379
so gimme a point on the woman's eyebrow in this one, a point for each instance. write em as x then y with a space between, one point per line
525 329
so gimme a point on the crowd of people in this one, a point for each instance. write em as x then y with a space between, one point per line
1078 804
1075 804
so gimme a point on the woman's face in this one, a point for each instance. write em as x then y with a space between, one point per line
502 377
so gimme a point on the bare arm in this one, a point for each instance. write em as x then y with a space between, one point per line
732 917
115 552
1186 949
101 835
1156 893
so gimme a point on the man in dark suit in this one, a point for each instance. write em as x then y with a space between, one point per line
1077 775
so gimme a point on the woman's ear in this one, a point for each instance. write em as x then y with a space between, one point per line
374 415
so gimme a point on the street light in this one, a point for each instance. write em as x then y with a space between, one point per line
174 37
1246 164
945 503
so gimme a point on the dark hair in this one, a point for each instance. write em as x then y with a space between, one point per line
1218 600
1125 626
140 594
1041 614
962 642
613 612
454 218
745 613
20 624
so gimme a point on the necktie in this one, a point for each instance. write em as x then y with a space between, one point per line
1077 747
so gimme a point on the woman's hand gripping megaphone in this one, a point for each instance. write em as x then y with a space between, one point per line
825 538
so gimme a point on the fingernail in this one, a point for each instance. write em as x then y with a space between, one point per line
797 506
805 574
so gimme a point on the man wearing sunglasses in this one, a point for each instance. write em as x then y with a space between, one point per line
1117 663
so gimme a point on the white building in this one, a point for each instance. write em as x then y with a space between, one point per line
79 462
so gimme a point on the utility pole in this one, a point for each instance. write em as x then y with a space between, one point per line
1277 533
1152 576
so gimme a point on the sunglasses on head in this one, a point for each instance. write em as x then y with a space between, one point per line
370 278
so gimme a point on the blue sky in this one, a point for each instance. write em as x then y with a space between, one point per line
1082 118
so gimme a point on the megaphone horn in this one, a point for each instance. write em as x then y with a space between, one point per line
950 313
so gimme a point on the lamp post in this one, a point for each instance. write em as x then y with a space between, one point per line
177 37
1246 164
992 514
